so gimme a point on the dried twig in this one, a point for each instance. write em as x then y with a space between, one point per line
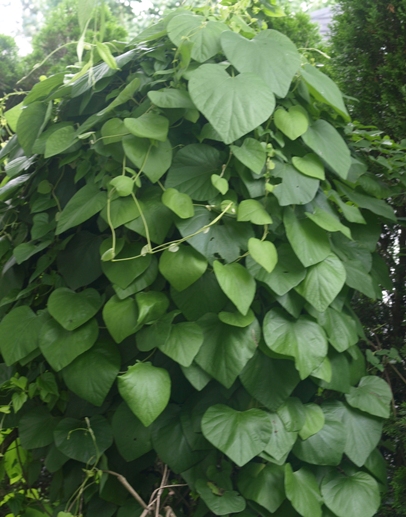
128 487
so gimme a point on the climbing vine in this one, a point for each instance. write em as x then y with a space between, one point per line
183 225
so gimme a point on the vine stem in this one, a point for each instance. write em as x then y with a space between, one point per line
165 246
128 487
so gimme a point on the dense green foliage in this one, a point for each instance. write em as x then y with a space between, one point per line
183 229
368 52
10 68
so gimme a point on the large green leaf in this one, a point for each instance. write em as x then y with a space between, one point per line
220 501
310 165
351 496
226 349
253 56
326 142
182 267
60 347
340 328
326 447
146 389
288 272
87 202
241 435
59 141
120 317
36 428
323 282
324 89
93 384
268 380
303 492
205 35
237 284
373 395
30 123
191 171
131 437
227 102
70 309
19 331
295 188
303 339
183 343
363 431
309 242
74 439
358 278
263 484
153 158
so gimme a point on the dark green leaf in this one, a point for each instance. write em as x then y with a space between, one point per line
19 331
70 309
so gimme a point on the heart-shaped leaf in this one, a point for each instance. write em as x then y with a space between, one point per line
153 158
293 123
70 309
120 317
303 492
263 252
254 211
205 35
241 435
146 389
19 331
236 319
123 185
113 131
124 272
314 421
263 484
221 184
151 306
227 102
183 343
182 267
295 188
93 384
302 339
281 441
373 395
253 56
351 496
252 154
236 283
310 165
148 125
323 282
180 204
60 347
131 437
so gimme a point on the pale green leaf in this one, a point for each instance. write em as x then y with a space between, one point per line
263 252
236 283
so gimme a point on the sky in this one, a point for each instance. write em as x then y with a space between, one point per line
10 23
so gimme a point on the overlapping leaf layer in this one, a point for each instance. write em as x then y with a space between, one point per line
181 238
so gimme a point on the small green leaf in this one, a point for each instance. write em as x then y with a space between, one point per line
328 222
151 306
113 131
120 317
254 211
153 158
314 421
59 141
221 184
236 283
183 343
70 309
124 272
241 435
183 267
310 165
373 395
293 123
123 185
146 389
87 202
180 204
148 125
252 154
263 252
105 53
